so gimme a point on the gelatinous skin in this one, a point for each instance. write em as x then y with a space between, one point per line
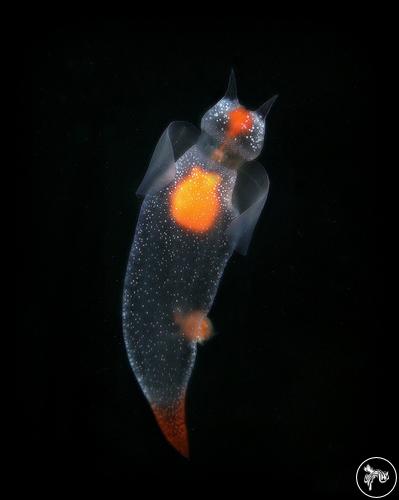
201 201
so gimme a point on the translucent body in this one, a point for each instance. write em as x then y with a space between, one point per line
198 207
171 270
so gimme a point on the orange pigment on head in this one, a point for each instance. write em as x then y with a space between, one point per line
171 419
240 121
194 202
195 326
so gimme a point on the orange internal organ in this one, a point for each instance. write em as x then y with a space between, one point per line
194 202
195 326
240 121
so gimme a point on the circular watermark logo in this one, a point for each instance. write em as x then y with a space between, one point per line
376 477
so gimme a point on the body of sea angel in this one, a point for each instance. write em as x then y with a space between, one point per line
203 194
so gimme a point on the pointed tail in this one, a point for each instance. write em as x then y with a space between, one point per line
171 419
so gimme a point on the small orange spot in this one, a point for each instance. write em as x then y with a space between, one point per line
172 422
195 326
218 155
194 203
240 121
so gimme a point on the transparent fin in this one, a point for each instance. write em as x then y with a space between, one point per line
249 198
177 138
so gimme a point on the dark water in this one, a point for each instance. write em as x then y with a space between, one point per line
297 380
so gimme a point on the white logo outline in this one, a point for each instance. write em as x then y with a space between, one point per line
372 474
375 473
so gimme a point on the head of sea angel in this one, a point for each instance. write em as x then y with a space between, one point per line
237 133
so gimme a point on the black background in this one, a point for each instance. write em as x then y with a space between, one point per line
295 385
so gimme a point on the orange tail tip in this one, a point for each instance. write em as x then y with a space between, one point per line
172 422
